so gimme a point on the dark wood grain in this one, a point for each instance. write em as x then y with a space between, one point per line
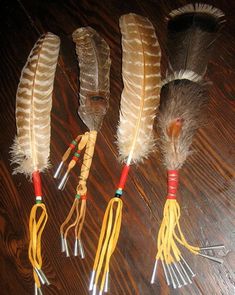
207 183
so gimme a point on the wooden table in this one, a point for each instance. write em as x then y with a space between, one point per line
206 181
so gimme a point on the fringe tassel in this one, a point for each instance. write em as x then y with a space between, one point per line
77 225
78 209
109 235
107 243
37 221
176 269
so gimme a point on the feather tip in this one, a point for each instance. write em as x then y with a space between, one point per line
198 8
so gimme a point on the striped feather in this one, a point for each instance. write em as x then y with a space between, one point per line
94 63
140 96
31 148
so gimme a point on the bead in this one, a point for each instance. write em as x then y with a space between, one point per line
84 197
38 199
118 191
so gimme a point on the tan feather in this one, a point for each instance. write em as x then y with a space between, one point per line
140 96
31 148
94 63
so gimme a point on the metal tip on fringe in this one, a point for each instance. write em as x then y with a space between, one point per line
180 274
185 273
75 252
215 247
37 291
63 181
215 259
106 285
81 249
57 172
175 273
188 267
62 243
66 248
154 272
178 284
165 273
42 277
94 290
172 281
92 280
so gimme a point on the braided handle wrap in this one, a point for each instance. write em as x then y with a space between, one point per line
86 165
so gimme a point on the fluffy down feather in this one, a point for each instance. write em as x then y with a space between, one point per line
182 111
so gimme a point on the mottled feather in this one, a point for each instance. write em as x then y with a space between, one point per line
31 148
141 79
182 111
94 62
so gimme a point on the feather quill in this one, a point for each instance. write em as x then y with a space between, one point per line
140 96
31 148
94 63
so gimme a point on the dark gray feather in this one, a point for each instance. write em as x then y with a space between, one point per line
191 36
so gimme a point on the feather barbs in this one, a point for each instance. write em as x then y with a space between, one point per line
199 8
94 62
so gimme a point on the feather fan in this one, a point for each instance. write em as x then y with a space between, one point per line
192 31
139 102
31 149
94 62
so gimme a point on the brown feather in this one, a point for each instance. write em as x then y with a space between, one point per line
140 96
182 111
31 149
94 63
